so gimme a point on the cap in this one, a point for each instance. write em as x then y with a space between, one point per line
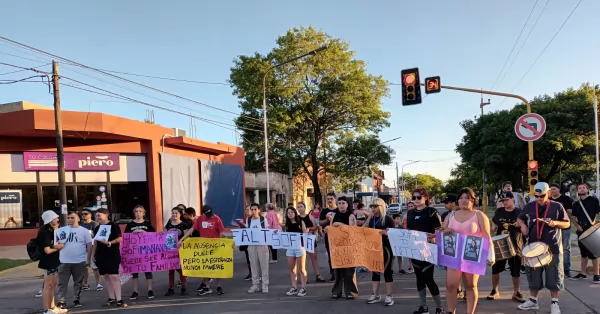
450 199
507 195
541 187
207 210
48 216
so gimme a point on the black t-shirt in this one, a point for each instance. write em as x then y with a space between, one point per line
592 207
195 233
133 226
342 217
297 227
324 212
505 221
103 252
307 222
384 223
179 228
45 239
425 220
566 202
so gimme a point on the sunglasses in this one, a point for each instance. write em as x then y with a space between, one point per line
373 206
85 214
540 196
417 197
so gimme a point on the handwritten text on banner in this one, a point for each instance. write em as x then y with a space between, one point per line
149 252
412 244
278 240
207 258
355 247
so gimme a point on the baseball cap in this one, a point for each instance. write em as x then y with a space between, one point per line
541 187
48 216
207 210
450 199
508 195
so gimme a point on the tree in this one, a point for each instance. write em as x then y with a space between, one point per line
433 185
490 142
317 106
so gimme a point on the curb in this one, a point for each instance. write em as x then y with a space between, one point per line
17 269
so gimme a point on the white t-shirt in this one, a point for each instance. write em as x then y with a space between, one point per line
75 250
255 223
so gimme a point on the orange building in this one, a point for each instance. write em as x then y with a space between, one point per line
110 162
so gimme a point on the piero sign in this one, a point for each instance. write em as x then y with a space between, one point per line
48 161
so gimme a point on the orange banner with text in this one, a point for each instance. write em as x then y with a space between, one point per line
355 247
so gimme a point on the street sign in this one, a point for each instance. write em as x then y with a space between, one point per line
530 127
432 85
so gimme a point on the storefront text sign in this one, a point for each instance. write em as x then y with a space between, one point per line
47 161
149 252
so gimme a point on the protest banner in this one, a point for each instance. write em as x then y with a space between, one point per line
252 236
309 241
285 240
351 246
464 252
149 252
412 244
207 258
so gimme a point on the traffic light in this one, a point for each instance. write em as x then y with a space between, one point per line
532 171
432 85
411 87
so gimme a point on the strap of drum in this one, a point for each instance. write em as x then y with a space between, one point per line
539 230
586 213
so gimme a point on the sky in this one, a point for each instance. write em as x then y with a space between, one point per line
466 43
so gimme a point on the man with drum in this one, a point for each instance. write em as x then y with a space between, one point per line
509 235
542 221
584 212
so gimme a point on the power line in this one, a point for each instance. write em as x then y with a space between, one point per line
424 149
514 45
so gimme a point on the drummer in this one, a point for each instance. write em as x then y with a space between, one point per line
542 221
582 222
505 222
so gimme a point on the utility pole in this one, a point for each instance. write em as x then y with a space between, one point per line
60 153
483 183
397 185
290 180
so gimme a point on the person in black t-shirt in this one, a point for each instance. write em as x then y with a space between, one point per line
586 204
425 219
324 221
505 222
49 259
140 224
180 226
345 278
378 219
567 203
107 256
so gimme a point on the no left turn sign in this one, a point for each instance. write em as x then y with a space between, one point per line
530 127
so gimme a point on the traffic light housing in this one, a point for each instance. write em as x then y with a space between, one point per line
532 171
433 85
411 87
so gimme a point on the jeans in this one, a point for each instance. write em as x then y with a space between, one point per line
65 271
566 239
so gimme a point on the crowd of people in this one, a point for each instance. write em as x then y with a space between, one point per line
72 257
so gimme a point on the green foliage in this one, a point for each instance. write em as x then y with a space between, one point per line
567 147
433 185
316 106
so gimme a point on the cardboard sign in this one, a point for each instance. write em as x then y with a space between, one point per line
351 246
143 252
464 252
412 244
207 258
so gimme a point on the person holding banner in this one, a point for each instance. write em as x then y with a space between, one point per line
467 220
140 224
378 219
244 248
49 260
259 254
179 226
313 228
325 220
296 257
345 278
425 219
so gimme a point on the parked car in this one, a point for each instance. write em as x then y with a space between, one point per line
394 209
404 207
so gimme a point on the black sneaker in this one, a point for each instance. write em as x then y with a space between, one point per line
205 291
179 284
596 279
580 276
439 310
402 272
494 295
76 304
422 310
220 291
201 287
109 302
150 294
332 279
183 290
134 296
568 273
61 305
320 279
85 287
170 292
248 277
120 303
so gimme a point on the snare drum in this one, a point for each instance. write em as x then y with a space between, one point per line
591 239
536 254
503 247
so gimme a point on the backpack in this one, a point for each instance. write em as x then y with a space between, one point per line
33 250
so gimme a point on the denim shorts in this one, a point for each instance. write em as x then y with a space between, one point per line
295 252
551 276
49 272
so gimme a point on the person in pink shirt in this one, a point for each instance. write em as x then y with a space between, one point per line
273 221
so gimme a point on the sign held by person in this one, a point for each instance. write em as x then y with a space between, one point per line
351 246
465 252
207 258
149 252
412 244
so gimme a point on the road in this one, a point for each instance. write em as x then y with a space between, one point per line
17 296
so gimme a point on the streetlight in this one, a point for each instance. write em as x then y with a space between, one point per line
403 183
310 53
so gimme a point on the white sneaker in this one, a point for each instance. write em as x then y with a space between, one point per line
389 301
39 294
373 299
529 305
301 292
292 291
265 289
50 312
554 308
253 289
99 287
59 310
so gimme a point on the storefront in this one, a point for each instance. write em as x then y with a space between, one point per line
110 162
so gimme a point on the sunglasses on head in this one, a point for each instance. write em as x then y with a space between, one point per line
417 197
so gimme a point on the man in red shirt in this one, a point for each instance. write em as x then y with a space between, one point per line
208 225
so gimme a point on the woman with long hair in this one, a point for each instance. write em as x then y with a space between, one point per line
107 256
178 225
313 228
296 257
425 219
467 220
49 260
140 224
378 219
244 248
345 278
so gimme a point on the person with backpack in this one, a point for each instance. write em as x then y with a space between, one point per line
49 260
259 254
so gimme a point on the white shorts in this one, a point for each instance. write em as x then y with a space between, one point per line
295 252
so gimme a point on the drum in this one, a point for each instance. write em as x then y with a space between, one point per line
503 247
591 239
536 254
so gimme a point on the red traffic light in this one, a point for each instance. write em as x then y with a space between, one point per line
409 79
532 164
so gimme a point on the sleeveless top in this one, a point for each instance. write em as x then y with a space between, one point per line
294 228
470 226
307 222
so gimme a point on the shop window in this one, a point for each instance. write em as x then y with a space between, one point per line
19 206
125 196
92 196
51 198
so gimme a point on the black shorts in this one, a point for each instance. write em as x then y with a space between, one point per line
585 253
108 267
514 263
147 275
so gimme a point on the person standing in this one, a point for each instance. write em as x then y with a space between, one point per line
543 221
179 226
259 254
74 260
567 203
274 222
451 205
378 219
519 199
244 248
107 256
90 224
296 257
313 228
140 224
345 278
49 260
585 211
325 221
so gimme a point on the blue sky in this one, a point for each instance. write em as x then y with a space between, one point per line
464 42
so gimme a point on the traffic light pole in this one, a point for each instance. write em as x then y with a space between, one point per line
487 92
